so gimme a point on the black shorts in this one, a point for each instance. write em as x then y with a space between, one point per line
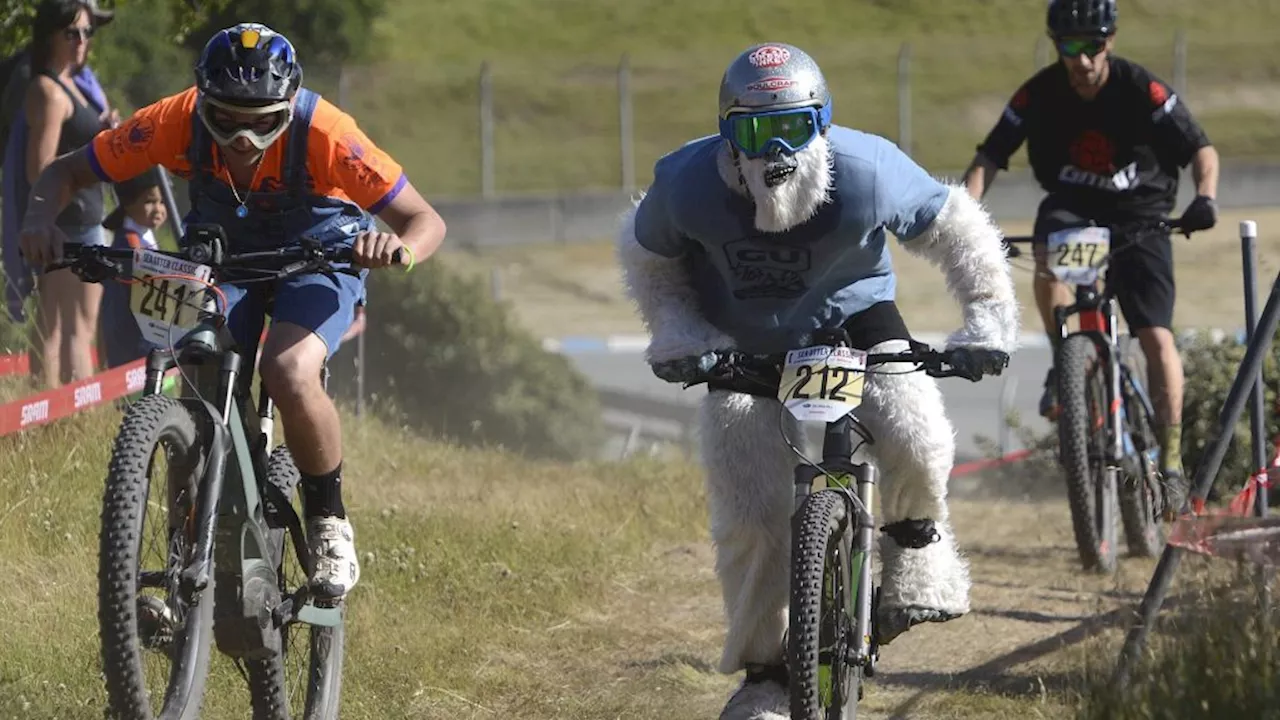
876 324
1140 273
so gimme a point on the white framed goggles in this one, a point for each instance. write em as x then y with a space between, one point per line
267 124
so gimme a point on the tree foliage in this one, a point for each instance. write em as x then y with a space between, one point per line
325 32
16 17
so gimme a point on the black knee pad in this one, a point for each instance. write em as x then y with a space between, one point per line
913 534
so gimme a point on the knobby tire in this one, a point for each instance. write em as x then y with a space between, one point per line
155 420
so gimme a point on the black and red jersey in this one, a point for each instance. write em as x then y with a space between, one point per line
1111 158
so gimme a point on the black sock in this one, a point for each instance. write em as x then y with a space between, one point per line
322 494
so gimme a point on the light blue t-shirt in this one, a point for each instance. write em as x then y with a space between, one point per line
769 291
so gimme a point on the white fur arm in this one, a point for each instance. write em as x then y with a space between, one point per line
663 291
965 243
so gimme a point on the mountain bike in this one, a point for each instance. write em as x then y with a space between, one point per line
219 553
1106 430
831 640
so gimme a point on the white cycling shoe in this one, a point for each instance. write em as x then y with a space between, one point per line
331 541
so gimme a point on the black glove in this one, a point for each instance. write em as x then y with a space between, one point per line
1201 214
973 363
685 369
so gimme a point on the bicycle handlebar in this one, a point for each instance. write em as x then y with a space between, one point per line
1138 229
735 365
98 262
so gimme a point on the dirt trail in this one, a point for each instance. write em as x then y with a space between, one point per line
1034 613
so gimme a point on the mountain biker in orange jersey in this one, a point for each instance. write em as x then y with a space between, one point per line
271 162
1106 140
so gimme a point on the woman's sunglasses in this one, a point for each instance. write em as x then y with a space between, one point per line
74 34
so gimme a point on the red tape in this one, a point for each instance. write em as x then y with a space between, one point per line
21 364
980 465
45 407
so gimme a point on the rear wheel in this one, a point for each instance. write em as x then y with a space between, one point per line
1082 429
824 685
155 644
305 681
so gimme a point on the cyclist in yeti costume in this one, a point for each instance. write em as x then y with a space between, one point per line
751 240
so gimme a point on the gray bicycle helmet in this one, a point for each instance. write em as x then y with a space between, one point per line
1067 18
773 76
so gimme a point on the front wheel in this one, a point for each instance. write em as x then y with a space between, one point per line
1141 494
1082 430
304 682
825 684
155 642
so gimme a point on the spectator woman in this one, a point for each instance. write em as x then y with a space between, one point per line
59 119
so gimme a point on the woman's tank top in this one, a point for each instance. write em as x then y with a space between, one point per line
86 206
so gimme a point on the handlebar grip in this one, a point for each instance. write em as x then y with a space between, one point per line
345 255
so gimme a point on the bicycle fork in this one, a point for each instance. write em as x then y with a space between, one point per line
837 461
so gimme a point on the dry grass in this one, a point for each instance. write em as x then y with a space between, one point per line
497 587
575 290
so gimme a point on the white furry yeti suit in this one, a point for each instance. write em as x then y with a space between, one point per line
753 239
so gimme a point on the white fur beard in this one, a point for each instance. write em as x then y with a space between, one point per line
797 199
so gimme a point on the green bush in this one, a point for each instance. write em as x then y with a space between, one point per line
1216 657
444 357
1210 367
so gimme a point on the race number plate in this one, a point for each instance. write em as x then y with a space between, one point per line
1076 255
823 383
166 308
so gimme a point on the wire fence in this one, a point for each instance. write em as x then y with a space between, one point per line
560 125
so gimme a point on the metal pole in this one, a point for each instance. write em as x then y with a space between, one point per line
904 98
626 131
486 131
1008 389
360 353
1257 400
1180 62
166 193
1205 473
1257 409
1042 51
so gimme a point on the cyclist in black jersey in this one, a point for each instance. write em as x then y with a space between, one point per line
1106 140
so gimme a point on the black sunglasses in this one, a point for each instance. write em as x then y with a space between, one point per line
73 34
1075 47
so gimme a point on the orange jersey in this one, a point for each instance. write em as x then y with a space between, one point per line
342 162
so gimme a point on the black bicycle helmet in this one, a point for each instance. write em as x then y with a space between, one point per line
248 65
1067 18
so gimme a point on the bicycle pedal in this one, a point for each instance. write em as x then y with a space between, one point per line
314 613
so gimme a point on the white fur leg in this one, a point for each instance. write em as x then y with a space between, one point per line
914 450
914 442
965 243
934 577
749 492
758 701
662 290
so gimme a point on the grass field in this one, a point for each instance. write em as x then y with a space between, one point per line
495 587
554 81
561 290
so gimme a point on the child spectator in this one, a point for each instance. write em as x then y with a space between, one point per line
140 212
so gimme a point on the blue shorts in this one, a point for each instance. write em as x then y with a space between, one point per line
324 305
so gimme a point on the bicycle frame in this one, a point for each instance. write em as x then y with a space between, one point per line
1098 320
232 527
